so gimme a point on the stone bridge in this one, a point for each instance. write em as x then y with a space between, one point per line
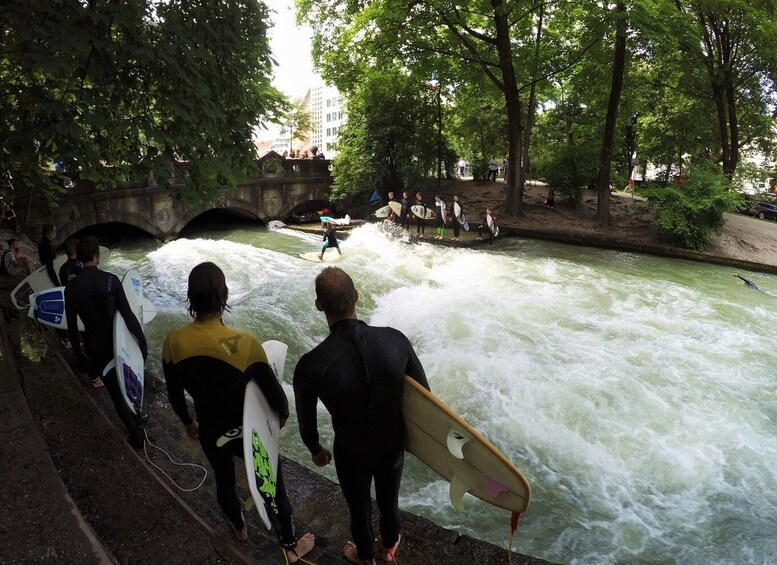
280 186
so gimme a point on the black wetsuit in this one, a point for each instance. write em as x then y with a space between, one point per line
419 221
747 282
213 363
358 373
69 270
405 213
330 240
456 219
94 296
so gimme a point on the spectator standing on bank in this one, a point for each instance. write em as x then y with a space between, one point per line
493 169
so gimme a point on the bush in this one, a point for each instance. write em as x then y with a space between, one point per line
691 213
569 170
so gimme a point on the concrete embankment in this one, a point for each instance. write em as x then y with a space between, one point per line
75 492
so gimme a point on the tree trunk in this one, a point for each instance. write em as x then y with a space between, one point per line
605 156
531 108
439 135
733 129
514 198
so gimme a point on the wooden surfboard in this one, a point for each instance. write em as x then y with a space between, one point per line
456 451
419 211
383 212
396 207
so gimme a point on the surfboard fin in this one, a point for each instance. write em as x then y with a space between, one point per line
456 441
234 433
456 493
109 366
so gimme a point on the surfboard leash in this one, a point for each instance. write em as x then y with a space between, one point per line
145 450
514 518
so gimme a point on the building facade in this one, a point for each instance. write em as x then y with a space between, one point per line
327 107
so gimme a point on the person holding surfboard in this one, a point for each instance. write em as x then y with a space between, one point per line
214 363
419 219
95 296
489 224
358 374
441 215
458 215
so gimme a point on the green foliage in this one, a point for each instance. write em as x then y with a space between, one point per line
569 170
119 89
297 121
388 142
691 213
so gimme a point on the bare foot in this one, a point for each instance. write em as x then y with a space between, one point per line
97 383
352 556
304 546
242 534
387 554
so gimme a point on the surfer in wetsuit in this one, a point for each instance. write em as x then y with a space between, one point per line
747 282
419 220
330 239
358 374
214 363
456 217
441 212
70 268
405 212
95 296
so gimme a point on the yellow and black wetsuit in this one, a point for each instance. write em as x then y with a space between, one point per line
358 374
213 363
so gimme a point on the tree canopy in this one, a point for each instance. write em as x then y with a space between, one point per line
115 90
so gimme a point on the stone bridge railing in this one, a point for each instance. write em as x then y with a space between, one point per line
280 186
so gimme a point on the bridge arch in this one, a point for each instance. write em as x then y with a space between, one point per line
231 203
125 217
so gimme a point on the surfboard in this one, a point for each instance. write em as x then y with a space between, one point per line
396 207
128 359
48 308
329 257
336 221
419 211
40 280
456 451
261 437
382 212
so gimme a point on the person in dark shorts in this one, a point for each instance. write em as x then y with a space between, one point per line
358 374
214 363
95 296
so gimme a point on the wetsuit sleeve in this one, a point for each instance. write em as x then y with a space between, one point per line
174 382
129 316
305 400
72 321
415 370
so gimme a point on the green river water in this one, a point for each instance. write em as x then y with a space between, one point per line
637 394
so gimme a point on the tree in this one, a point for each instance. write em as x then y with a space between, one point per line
118 89
297 122
387 143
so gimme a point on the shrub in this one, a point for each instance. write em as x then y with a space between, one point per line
691 213
569 170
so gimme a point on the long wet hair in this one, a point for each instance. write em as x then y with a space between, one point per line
207 292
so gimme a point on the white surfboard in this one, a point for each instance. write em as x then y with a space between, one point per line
382 212
419 211
261 436
396 207
443 211
48 308
329 257
128 359
448 445
40 280
460 217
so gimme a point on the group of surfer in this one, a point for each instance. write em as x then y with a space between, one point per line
357 372
409 209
